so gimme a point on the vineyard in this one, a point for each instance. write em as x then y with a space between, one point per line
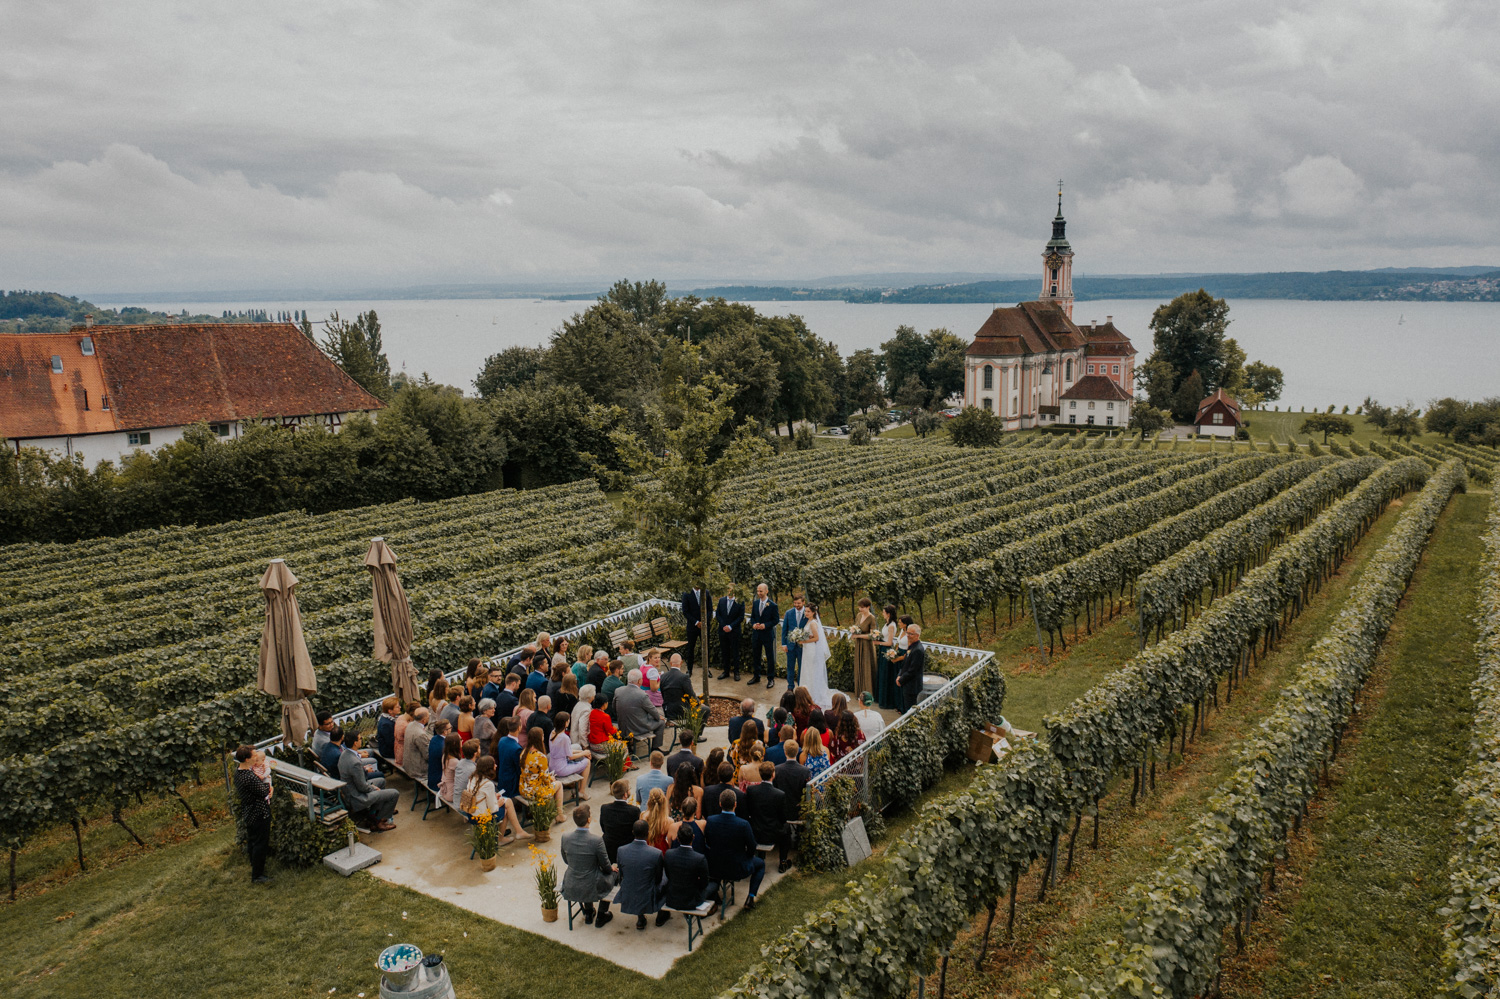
136 658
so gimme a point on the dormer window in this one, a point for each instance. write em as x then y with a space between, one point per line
87 346
57 364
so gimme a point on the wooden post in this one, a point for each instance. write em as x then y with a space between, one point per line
983 947
1010 923
78 838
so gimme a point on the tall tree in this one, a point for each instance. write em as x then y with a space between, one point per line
945 372
1188 333
645 300
906 354
1148 420
356 347
1158 380
1185 400
1443 415
862 372
1265 380
1232 378
511 367
606 354
1404 422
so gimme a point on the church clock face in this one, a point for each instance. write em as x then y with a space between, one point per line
1054 260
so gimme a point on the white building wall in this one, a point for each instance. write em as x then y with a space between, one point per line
114 446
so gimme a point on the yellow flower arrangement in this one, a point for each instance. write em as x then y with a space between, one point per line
545 875
485 835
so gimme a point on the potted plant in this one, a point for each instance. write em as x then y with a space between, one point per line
543 813
545 875
695 716
484 835
617 757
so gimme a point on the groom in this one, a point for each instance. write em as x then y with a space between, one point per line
764 615
730 618
795 618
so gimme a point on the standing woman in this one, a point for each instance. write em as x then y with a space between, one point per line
452 753
580 669
465 724
525 708
566 698
255 804
862 635
887 694
437 697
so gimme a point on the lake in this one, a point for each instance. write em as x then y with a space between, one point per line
1330 352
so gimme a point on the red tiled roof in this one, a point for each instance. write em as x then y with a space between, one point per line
35 402
1107 340
1097 387
1219 396
1027 328
172 375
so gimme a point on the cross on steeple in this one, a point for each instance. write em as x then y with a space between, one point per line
1059 198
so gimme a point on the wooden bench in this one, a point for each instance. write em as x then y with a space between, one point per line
422 791
694 918
576 908
321 795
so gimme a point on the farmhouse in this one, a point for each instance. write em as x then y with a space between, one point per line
1218 415
1033 366
105 391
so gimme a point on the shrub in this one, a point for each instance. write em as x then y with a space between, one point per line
975 427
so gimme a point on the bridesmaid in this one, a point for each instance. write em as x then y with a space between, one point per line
863 636
887 694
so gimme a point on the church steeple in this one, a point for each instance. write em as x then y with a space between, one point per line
1057 263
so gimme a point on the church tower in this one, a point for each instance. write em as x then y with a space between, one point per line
1057 263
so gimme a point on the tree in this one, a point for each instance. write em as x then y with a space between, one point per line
945 372
554 435
1479 424
1188 334
677 483
1325 424
1232 378
1147 420
1404 422
606 354
1157 379
863 430
511 367
975 427
906 355
749 371
862 375
356 348
1187 397
644 300
1443 415
912 393
925 422
1265 380
804 439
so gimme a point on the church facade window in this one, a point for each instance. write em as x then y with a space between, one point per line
1068 370
989 377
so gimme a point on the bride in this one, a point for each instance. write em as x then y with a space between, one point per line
815 660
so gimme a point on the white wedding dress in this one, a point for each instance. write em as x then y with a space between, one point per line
815 666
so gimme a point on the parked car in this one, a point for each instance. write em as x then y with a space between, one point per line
950 413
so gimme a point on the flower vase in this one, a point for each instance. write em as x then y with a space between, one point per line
549 915
487 863
542 835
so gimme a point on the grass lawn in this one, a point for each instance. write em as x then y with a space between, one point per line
1358 917
1284 425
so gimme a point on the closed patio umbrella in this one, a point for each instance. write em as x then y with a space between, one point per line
392 620
286 671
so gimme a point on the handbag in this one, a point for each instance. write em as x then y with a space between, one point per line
467 800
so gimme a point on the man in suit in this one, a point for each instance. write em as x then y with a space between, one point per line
414 752
729 616
684 756
676 688
712 792
598 670
764 616
688 883
508 759
791 778
359 794
617 819
731 848
642 878
509 697
652 779
747 712
767 804
635 713
692 613
912 667
590 874
795 618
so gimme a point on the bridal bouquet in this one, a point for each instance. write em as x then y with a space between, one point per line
798 636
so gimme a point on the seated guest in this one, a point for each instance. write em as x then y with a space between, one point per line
767 805
747 711
651 680
676 688
524 708
742 750
484 722
602 729
628 659
580 669
685 755
788 704
617 819
731 848
565 759
537 781
437 695
791 778
661 830
488 802
819 721
845 738
714 793
474 678
684 789
590 874
613 681
435 747
578 728
567 695
555 671
464 727
451 710
408 715
838 704
414 751
508 759
542 717
870 721
642 878
319 746
710 771
654 779
360 794
385 728
775 718
598 671
814 753
464 769
692 820
749 771
688 883
777 753
452 753
802 709
636 714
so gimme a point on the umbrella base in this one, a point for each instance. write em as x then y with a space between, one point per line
355 857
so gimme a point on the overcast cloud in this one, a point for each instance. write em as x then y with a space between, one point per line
191 146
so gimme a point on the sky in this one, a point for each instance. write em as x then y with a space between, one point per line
189 146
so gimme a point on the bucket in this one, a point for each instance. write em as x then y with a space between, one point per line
398 964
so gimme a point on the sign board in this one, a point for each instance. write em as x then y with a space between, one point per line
856 841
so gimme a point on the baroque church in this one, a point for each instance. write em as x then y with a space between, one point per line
1033 366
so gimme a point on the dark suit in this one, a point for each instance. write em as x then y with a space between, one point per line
683 757
508 762
688 884
767 613
768 817
692 613
732 613
385 736
791 778
505 703
912 669
711 799
642 878
676 688
616 822
731 851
